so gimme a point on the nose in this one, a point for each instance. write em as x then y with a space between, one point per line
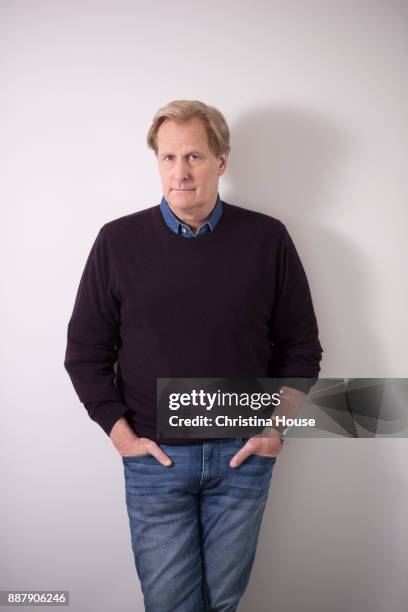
181 171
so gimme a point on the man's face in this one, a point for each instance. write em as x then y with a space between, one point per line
189 170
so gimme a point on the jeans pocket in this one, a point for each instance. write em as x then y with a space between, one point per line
244 441
138 457
262 458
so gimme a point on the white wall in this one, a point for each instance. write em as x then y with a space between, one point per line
316 96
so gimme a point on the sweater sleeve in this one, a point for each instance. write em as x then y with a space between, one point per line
293 327
92 337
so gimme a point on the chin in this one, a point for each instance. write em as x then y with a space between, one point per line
182 200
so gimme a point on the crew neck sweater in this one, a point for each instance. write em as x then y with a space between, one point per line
234 302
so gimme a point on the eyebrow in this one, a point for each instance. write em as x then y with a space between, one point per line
193 152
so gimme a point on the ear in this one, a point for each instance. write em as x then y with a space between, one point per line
222 163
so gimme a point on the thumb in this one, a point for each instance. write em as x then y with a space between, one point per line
240 456
160 455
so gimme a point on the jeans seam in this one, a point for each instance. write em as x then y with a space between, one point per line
203 467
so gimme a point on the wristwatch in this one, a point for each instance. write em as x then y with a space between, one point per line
282 434
283 437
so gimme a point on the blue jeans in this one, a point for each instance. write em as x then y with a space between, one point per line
195 525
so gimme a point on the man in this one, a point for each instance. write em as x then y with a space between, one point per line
195 287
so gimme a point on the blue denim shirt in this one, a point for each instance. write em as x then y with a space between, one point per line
178 227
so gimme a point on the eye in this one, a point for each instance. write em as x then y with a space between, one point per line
194 156
168 157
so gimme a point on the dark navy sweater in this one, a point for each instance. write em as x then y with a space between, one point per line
233 303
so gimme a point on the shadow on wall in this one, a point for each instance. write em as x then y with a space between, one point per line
291 164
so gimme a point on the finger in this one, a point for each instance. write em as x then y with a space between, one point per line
155 450
240 456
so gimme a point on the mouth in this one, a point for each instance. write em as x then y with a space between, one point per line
183 189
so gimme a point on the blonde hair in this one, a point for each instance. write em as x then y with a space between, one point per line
218 133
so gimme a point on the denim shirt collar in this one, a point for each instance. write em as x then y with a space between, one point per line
178 227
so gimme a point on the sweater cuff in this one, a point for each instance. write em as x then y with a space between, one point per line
106 413
301 384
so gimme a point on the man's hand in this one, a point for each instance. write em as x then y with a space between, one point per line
268 444
128 444
261 446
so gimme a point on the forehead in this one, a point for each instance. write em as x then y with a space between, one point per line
182 135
